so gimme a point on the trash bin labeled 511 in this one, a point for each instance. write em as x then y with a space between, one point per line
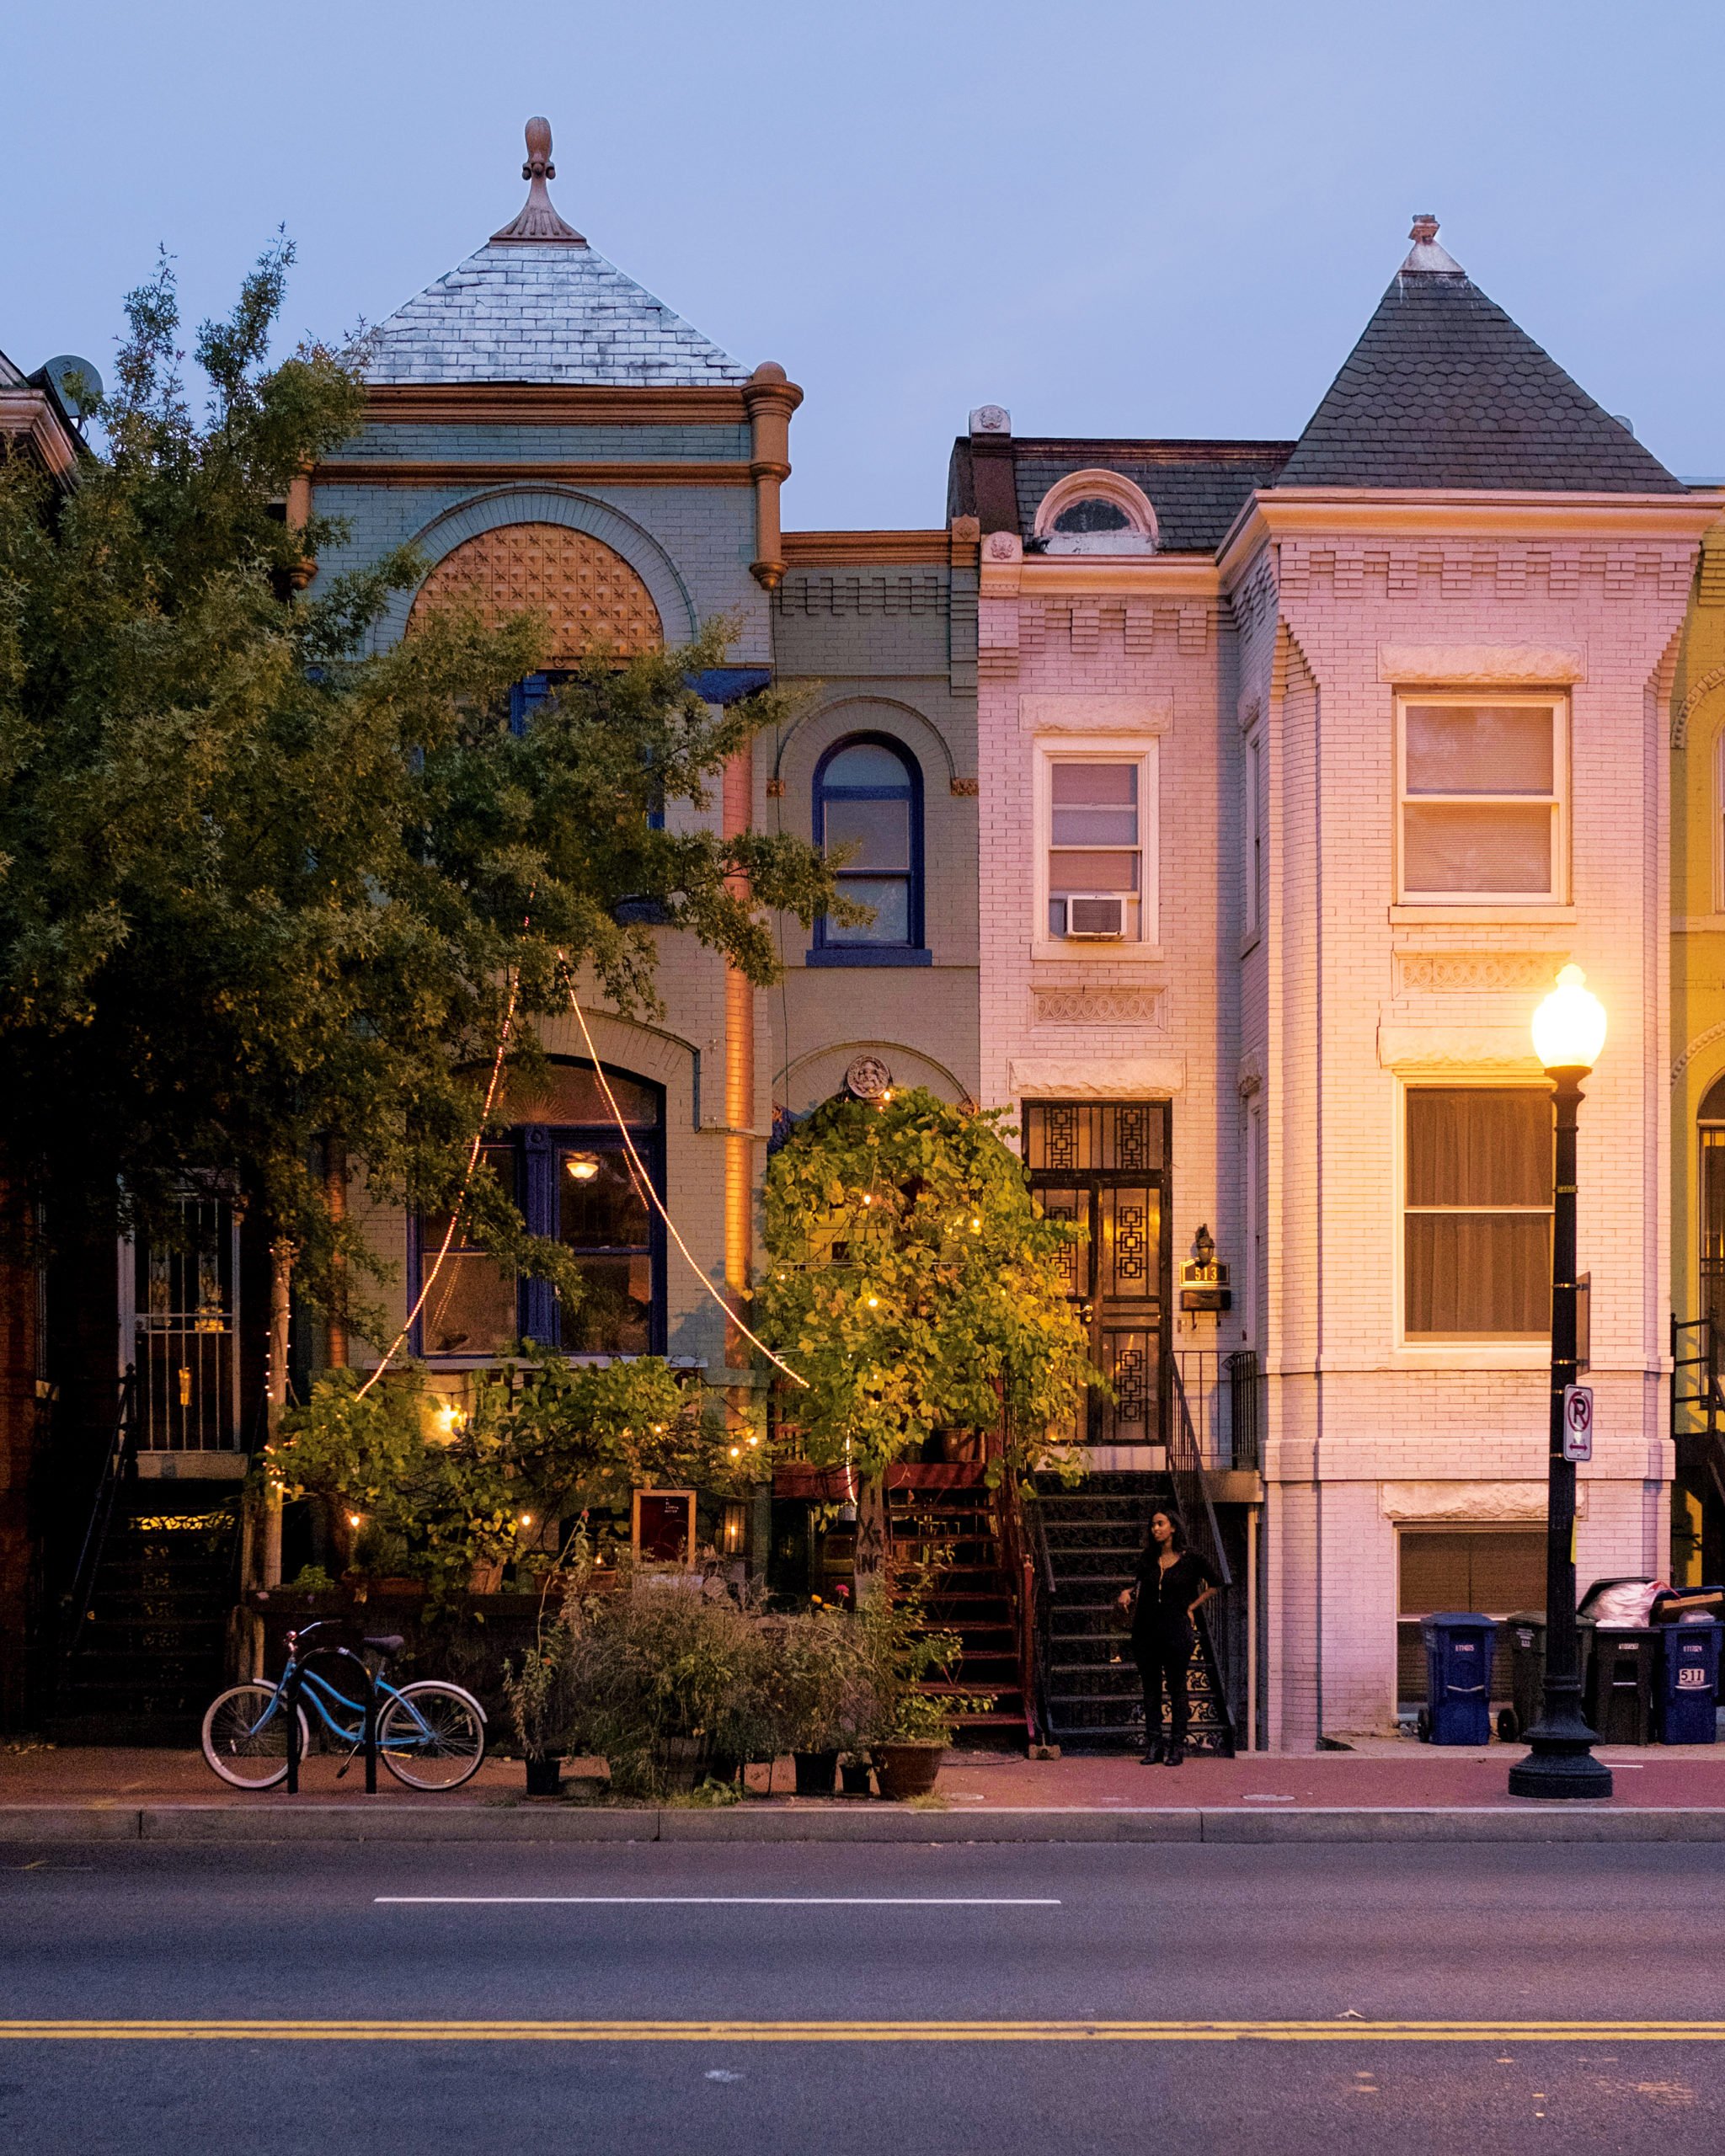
1689 1681
1458 1678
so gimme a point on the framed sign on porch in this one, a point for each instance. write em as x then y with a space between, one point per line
662 1527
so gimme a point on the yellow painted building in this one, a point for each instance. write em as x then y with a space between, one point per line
1698 1075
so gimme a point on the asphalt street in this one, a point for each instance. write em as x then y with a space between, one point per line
1099 1961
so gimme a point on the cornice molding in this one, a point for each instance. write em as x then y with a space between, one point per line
837 550
380 472
28 417
546 404
1290 512
1096 576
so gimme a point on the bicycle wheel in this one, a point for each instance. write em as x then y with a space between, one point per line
432 1736
245 1736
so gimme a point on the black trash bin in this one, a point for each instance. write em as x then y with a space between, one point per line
1458 1678
1525 1633
1618 1696
1689 1681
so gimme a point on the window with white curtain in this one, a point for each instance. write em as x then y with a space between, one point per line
1477 1220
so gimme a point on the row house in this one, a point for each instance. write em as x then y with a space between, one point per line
1305 765
1225 808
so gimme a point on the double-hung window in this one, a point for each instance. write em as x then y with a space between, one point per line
1097 816
1477 1220
1483 794
577 1181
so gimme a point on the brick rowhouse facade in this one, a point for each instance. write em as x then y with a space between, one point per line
1200 659
1458 525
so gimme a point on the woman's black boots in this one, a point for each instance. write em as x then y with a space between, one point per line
1157 1754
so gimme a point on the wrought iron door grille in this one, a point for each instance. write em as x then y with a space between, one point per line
185 1333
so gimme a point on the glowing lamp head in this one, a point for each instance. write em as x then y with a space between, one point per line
1569 1027
582 1166
527 1519
355 1518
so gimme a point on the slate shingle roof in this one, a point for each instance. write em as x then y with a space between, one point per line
1196 496
1444 390
544 311
1197 488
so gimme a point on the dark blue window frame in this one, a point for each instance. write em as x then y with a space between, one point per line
535 1150
828 950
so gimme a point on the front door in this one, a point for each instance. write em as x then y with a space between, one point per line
184 1324
1104 1166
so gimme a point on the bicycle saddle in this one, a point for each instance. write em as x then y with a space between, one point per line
389 1643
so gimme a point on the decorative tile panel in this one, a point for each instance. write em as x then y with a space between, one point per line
593 598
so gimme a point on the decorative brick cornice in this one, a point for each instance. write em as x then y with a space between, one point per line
388 471
1317 513
833 550
549 404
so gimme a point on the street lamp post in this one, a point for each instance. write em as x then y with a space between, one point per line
1568 1033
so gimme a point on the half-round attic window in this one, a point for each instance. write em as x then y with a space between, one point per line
1094 513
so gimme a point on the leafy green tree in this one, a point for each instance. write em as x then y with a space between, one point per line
914 1285
264 890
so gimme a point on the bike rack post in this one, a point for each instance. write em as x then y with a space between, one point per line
290 1702
290 1696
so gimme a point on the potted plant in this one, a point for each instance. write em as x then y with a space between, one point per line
909 1757
818 1661
907 1727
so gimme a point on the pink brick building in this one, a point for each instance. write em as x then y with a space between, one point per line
1304 768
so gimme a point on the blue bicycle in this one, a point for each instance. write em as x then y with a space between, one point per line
431 1734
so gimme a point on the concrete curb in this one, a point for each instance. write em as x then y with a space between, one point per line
371 1820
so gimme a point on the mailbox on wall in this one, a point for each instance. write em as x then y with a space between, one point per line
1203 1278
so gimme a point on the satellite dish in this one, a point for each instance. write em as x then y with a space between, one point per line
77 382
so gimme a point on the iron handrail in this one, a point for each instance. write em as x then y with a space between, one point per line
1198 1517
122 1448
1047 1593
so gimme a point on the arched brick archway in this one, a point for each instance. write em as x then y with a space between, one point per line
593 596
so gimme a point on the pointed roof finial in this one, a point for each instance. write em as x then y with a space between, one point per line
1427 259
538 221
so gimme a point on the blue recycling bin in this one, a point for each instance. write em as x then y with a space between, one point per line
1689 1681
1458 1677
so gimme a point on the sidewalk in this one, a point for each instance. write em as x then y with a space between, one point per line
1386 1791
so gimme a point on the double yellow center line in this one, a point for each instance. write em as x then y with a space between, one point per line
1343 2031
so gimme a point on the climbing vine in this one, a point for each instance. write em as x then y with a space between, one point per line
912 1283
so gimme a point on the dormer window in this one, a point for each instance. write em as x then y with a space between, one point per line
1094 513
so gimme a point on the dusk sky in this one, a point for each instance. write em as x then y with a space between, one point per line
1114 218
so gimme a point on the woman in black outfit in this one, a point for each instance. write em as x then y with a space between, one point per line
1173 1584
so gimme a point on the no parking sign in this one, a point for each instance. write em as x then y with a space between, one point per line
1578 1421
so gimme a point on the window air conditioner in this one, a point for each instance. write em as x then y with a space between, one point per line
1098 917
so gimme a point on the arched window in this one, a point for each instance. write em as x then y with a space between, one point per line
868 805
1096 512
567 1167
1709 1130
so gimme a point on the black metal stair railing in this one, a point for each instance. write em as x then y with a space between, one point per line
1198 1517
118 1463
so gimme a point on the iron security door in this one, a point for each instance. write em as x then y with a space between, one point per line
1103 1166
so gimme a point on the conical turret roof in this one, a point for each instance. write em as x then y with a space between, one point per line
1444 390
